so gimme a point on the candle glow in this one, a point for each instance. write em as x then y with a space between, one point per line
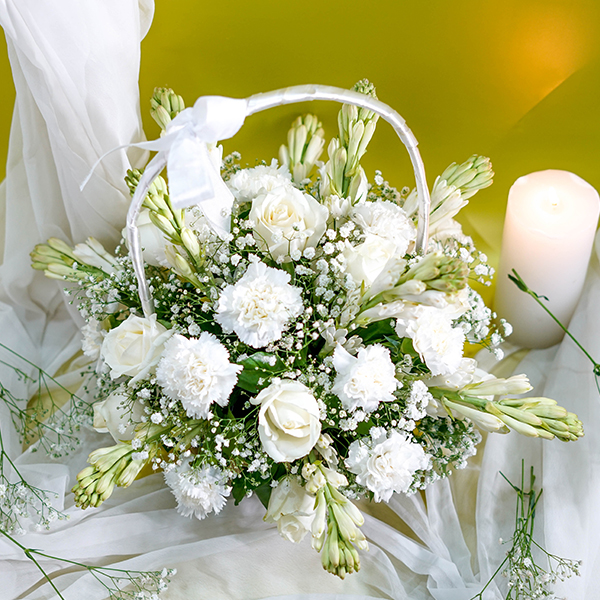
551 219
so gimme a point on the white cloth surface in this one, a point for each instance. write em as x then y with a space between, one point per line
75 66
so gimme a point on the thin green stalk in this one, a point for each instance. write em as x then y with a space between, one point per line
526 578
112 574
29 554
518 281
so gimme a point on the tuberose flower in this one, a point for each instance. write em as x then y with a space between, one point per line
134 347
288 420
198 491
367 260
197 372
259 306
365 380
386 463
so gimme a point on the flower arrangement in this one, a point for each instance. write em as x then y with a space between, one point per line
305 352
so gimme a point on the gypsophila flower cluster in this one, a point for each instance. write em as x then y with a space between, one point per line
119 584
306 353
529 570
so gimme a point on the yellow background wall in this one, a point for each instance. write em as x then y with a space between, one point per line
517 80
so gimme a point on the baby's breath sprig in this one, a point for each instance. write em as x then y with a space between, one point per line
230 165
526 578
142 585
21 502
44 420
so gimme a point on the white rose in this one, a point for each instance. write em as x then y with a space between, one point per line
292 508
118 416
134 347
152 240
367 260
288 420
287 220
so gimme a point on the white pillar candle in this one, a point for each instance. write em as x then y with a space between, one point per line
551 219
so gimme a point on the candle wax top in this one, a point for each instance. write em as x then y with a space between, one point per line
554 203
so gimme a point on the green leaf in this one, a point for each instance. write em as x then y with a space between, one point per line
375 331
264 493
408 348
258 366
239 490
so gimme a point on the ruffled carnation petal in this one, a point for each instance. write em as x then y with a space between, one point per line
197 372
259 306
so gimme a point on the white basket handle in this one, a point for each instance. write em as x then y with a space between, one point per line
258 103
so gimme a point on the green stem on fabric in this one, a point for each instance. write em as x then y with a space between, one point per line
29 554
518 281
526 578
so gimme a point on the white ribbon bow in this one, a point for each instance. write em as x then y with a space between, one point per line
194 176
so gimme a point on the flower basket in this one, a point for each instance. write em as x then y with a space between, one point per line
290 330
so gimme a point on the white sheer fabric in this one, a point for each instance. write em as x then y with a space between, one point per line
75 67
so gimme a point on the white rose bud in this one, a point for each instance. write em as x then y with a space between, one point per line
288 420
292 509
134 347
152 240
367 260
118 416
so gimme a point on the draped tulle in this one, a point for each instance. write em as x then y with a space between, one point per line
75 66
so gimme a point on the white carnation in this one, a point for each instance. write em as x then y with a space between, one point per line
247 184
438 343
259 306
92 338
197 372
198 491
365 380
386 463
387 220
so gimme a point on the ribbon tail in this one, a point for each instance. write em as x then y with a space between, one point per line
194 179
163 143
